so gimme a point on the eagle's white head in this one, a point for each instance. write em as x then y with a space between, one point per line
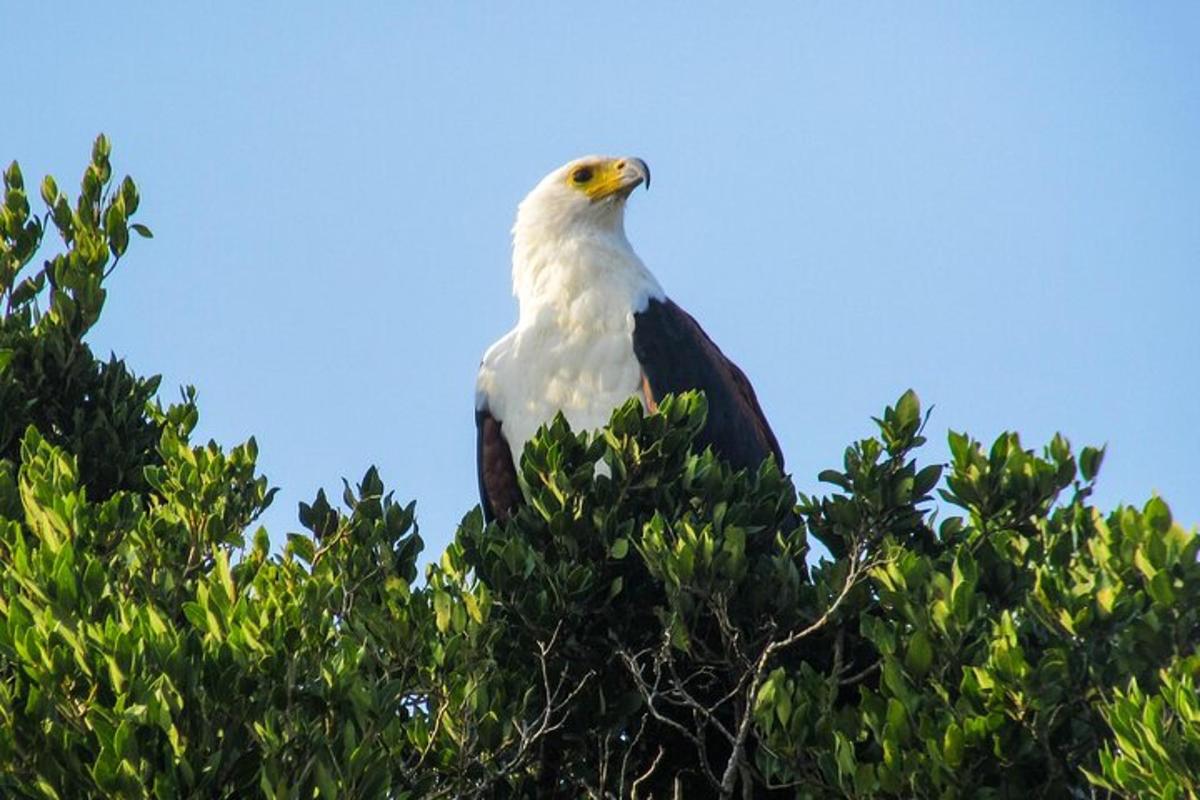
583 197
570 235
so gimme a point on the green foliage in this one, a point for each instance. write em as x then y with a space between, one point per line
147 652
650 624
1156 752
48 375
997 648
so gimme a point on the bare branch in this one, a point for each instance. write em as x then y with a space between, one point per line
625 759
649 694
737 757
552 716
633 791
860 675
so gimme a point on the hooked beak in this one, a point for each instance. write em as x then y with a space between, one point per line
640 169
619 177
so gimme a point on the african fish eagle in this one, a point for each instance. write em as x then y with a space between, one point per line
594 329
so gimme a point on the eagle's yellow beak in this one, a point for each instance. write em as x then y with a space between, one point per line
610 177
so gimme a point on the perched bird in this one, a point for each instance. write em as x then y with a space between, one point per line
595 328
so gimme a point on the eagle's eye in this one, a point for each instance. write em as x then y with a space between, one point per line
582 175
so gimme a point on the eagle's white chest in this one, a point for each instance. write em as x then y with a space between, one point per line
580 364
572 349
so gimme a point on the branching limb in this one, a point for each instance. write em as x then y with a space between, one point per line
737 757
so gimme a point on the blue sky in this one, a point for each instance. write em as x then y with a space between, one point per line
995 204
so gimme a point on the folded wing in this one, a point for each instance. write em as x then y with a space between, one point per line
498 488
676 355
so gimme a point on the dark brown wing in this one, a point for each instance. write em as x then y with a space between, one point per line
676 355
499 492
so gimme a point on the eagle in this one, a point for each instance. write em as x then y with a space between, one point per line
594 329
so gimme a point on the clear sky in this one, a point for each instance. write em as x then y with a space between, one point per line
995 204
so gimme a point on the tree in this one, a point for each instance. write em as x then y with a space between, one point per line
653 630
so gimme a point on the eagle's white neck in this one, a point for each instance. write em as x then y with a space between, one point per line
577 273
564 276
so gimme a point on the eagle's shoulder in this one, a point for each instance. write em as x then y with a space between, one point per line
676 355
494 360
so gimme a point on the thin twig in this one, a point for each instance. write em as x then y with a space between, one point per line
858 676
633 790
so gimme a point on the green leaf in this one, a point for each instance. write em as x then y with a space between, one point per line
844 756
101 149
27 289
1158 515
960 446
123 740
908 409
897 720
1160 588
326 782
12 176
926 479
196 615
783 707
919 655
1104 600
104 770
442 607
764 703
47 789
474 611
1090 459
301 546
223 574
142 230
93 579
49 191
64 579
619 548
952 746
129 194
680 639
834 477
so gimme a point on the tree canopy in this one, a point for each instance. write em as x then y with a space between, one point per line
656 629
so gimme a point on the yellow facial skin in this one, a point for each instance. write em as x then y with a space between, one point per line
608 177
